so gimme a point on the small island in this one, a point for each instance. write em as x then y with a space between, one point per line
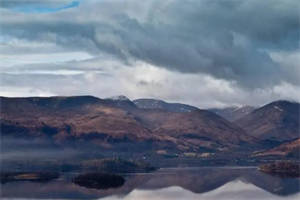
282 168
99 180
107 173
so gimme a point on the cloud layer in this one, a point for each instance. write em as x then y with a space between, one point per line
224 50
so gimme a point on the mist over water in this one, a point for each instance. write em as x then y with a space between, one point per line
20 149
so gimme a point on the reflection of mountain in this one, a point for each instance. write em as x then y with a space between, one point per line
197 181
236 190
201 183
273 184
206 179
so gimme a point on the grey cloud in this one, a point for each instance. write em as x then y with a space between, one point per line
226 39
149 82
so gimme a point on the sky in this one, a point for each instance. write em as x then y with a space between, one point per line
207 53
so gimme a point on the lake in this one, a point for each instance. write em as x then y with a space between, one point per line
205 183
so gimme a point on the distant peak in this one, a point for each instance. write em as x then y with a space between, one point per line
119 98
149 100
162 105
282 103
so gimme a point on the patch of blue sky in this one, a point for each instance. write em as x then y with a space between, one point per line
38 8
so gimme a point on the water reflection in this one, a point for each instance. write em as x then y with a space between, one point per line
190 183
235 190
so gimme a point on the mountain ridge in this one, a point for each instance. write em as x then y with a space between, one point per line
107 122
163 105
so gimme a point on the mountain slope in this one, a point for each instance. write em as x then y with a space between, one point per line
233 113
199 129
287 149
277 121
62 118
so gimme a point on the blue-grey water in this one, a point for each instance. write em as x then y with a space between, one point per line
230 183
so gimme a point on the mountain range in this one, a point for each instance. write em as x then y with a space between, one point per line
144 125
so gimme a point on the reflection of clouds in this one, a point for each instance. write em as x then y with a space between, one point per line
235 190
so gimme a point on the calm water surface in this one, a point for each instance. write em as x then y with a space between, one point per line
166 184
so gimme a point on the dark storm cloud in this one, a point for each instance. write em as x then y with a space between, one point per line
226 39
